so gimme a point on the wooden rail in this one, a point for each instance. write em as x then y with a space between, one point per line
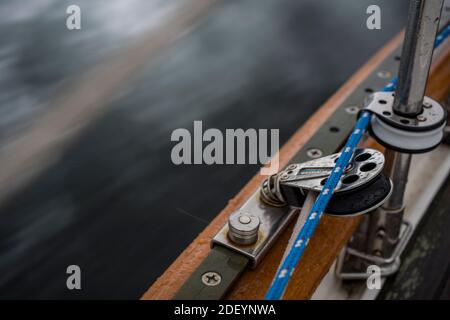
331 234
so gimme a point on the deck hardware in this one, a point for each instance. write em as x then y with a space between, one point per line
231 261
405 122
252 238
384 237
388 266
361 189
254 244
243 229
419 134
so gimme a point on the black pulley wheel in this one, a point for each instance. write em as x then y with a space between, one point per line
361 200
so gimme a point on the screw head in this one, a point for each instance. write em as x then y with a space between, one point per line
314 153
211 279
421 118
384 74
352 110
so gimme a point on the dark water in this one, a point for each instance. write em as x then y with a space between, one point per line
114 203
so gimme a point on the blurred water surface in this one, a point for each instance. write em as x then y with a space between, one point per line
113 203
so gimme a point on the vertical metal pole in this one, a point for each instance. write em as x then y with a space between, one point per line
418 47
386 222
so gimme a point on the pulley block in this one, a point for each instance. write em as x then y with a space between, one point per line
361 189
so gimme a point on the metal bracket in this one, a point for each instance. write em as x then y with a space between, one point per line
272 222
388 266
433 115
251 230
311 175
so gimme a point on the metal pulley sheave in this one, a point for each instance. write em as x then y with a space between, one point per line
408 134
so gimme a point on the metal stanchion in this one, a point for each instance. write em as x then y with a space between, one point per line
384 235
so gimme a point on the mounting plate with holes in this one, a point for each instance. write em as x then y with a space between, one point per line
432 117
365 165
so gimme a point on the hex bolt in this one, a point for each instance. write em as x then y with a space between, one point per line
314 153
211 279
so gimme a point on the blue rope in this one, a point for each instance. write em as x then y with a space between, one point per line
442 36
292 259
